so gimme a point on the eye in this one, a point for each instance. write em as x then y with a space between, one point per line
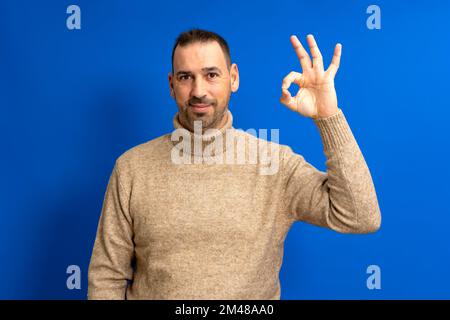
184 77
213 75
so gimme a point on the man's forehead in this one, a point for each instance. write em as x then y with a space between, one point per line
199 55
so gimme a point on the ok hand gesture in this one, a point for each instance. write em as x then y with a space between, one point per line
316 97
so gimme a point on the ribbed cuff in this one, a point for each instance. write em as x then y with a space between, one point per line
334 130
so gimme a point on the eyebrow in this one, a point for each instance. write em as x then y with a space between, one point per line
210 69
206 69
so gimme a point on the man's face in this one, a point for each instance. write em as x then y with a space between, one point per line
201 84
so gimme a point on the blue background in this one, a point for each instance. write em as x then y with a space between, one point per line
73 100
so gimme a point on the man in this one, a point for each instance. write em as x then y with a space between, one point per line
206 230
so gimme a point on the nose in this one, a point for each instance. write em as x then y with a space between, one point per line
198 88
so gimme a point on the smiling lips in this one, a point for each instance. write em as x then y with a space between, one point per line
200 107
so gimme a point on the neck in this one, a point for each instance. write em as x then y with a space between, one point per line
199 140
218 124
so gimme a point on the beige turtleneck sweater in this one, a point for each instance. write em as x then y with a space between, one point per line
216 230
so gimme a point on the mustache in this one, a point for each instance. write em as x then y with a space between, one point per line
196 100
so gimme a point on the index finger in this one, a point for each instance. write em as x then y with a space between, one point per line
303 56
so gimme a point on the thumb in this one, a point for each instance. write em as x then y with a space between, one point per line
287 99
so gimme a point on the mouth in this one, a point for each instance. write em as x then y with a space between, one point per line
200 107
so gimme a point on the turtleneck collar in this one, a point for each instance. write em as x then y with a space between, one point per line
204 139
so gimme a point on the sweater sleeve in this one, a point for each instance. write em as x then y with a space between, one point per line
343 198
110 267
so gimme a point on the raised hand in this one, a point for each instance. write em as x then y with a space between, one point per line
316 97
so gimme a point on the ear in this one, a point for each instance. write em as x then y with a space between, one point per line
234 74
170 77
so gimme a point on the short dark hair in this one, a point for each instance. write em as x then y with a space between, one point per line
199 35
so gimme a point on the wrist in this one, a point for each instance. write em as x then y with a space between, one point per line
326 114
